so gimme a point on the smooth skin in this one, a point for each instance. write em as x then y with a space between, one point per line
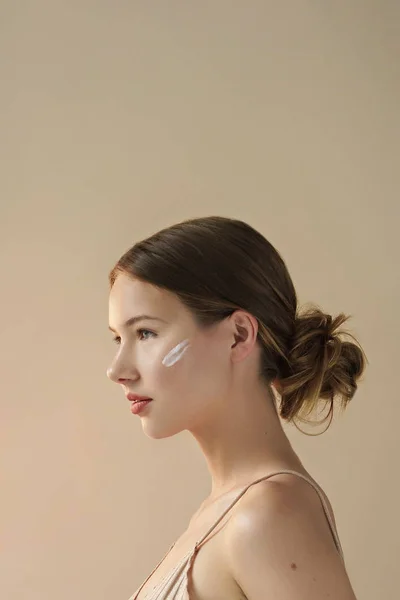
279 547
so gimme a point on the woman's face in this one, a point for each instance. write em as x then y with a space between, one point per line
186 393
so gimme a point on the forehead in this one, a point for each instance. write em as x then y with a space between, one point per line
129 297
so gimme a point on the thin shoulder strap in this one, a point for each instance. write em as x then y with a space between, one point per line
317 488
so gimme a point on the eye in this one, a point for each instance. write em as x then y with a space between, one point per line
139 331
117 339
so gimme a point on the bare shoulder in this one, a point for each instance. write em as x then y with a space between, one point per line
278 544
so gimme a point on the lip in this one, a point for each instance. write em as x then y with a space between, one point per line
137 407
136 398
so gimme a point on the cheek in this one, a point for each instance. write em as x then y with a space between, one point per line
194 370
176 366
176 354
174 369
191 368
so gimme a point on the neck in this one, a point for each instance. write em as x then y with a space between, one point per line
243 440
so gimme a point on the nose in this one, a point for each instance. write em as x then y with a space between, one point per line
119 371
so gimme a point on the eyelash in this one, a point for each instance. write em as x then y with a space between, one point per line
117 339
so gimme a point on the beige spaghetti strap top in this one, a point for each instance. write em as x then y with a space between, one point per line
174 585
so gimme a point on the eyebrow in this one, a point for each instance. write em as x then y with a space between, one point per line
134 320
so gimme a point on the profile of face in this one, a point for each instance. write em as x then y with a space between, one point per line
183 368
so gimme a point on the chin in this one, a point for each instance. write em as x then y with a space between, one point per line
160 433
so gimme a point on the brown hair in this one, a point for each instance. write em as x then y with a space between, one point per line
216 265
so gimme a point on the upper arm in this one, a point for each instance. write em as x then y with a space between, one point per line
277 549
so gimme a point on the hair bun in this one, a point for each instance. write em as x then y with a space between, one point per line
320 364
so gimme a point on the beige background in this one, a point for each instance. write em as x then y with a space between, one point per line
117 119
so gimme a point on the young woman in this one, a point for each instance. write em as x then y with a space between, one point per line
209 331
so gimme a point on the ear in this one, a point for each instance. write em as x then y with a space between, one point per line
244 331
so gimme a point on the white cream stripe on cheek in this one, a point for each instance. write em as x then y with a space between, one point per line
175 354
